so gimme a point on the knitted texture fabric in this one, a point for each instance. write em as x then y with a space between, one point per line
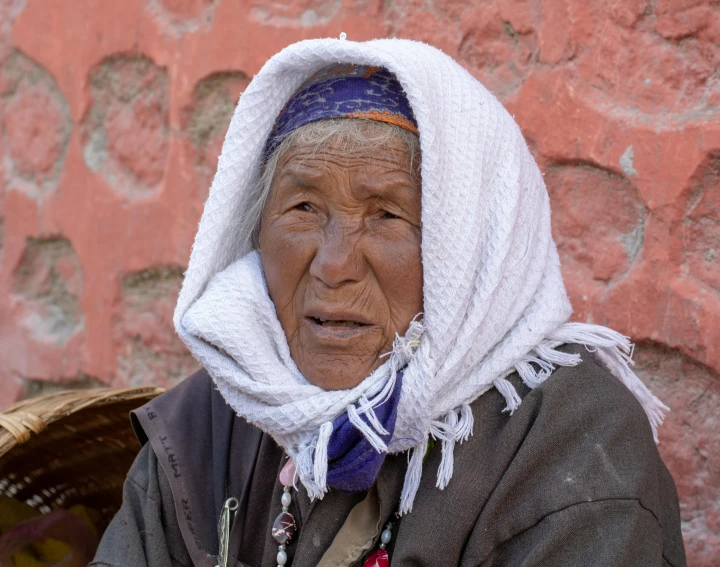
494 299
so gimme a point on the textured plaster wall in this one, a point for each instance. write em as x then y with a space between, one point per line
112 115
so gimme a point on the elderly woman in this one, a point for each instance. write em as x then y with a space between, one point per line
389 376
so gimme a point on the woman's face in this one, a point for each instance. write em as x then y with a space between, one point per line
340 247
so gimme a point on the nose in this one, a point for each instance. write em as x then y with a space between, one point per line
339 258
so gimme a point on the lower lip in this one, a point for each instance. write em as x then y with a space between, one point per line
336 332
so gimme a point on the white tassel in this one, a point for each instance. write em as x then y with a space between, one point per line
532 377
465 424
404 347
312 471
412 477
320 464
529 375
592 335
362 426
616 361
377 398
304 468
546 359
509 393
558 357
445 470
369 412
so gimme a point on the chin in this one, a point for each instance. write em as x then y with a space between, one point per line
337 376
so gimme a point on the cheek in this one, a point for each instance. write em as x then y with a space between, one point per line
286 257
397 263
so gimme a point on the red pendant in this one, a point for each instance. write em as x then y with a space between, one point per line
379 558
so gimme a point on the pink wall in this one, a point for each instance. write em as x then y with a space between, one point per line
113 113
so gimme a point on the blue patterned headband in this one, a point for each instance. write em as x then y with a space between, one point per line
344 91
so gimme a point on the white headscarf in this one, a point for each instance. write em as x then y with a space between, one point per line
494 298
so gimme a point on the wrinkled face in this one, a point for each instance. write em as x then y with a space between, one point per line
340 247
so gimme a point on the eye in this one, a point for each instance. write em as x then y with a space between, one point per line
387 215
305 207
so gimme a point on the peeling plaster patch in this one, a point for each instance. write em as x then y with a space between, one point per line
95 152
626 161
633 240
182 16
35 387
208 118
700 227
302 13
499 55
9 11
603 249
126 133
48 283
680 84
35 121
148 349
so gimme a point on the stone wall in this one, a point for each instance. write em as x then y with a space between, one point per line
112 115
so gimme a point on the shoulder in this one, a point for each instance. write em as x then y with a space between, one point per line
588 395
580 436
188 431
578 440
586 416
188 403
583 404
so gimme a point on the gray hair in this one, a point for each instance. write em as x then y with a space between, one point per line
352 133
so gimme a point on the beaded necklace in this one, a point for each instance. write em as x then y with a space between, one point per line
284 526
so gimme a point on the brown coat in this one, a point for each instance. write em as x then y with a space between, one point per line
571 478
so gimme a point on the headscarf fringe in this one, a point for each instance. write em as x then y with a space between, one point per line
372 417
445 470
455 427
465 423
412 477
364 427
556 357
304 467
510 394
617 362
320 464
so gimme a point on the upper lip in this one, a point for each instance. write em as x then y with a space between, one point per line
332 315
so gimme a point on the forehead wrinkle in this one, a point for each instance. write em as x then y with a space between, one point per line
368 177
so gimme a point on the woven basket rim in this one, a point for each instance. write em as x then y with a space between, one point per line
20 421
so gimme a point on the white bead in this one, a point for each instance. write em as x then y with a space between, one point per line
386 536
281 557
286 499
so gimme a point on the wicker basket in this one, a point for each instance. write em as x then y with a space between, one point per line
70 448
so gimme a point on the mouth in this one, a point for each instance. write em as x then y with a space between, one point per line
345 323
338 328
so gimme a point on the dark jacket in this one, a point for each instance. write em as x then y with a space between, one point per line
573 477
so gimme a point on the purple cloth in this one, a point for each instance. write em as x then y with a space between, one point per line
353 464
344 91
